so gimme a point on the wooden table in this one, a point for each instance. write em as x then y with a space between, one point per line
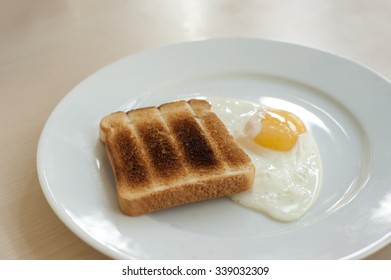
47 47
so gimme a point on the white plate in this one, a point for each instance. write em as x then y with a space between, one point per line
349 114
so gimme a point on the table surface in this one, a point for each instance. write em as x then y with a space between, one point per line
47 47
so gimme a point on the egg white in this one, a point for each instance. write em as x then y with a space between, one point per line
286 184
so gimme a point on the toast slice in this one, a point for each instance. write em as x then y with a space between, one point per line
177 153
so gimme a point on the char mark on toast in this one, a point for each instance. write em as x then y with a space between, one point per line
155 139
128 162
196 148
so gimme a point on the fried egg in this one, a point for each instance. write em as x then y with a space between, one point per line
284 153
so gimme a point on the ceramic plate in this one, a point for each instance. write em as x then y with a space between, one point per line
345 105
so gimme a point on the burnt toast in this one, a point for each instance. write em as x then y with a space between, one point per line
177 153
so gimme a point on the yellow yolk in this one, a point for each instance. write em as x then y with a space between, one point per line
280 130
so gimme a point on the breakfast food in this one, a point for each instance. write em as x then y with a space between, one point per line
177 153
284 153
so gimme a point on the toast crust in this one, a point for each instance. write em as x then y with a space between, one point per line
184 194
177 153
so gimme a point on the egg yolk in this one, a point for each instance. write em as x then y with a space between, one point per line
280 130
